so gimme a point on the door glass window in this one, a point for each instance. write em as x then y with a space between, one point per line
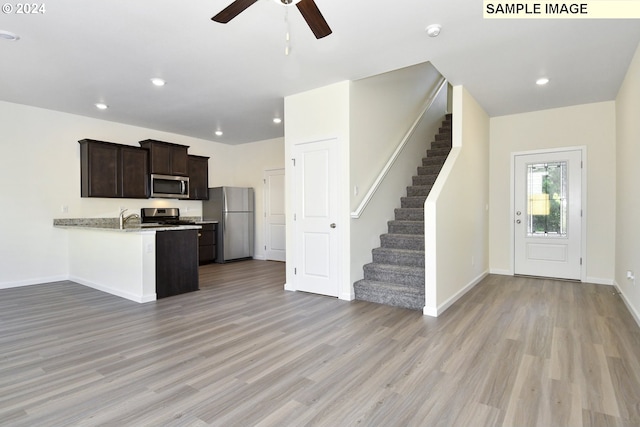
547 199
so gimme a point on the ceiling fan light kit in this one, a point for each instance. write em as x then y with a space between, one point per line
308 9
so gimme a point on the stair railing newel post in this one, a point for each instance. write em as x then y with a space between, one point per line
396 276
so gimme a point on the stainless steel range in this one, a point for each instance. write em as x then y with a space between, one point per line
150 217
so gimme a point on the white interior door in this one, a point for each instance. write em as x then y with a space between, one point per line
548 214
274 213
316 239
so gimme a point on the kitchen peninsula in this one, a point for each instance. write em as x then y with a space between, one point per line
136 262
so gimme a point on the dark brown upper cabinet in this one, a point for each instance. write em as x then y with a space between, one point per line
113 170
135 172
198 178
166 158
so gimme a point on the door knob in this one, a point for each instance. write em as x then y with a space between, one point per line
332 225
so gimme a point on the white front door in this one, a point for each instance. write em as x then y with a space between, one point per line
274 215
548 214
315 216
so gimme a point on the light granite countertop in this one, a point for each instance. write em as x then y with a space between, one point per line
112 224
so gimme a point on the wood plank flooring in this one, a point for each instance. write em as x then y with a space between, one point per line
244 352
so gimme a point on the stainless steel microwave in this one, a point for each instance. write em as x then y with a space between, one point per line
168 186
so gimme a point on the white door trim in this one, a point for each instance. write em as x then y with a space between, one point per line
583 251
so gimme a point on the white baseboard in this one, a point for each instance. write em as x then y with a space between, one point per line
630 307
347 296
436 311
500 272
598 281
36 281
116 292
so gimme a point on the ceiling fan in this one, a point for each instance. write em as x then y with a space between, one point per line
307 8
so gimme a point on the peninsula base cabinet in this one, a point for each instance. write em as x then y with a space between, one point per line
176 262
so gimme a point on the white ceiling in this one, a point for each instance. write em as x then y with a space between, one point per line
235 76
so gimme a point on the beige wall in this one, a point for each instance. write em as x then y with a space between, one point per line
383 108
40 157
456 217
627 175
591 126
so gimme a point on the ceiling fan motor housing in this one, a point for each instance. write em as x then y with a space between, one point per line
307 8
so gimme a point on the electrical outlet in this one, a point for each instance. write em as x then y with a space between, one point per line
64 209
631 276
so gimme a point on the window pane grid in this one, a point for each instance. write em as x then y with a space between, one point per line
547 199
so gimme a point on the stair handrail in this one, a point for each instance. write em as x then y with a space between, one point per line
394 156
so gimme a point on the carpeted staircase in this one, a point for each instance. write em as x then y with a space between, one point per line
396 275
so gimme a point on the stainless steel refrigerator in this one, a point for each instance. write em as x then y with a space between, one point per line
233 208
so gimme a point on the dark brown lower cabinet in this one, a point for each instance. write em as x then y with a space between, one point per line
207 243
176 262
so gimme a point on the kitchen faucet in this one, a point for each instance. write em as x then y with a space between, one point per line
123 219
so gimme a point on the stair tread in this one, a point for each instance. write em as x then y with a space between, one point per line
387 284
395 267
399 250
412 290
403 235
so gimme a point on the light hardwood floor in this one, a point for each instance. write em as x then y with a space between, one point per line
244 352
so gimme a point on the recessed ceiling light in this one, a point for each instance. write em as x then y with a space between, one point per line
277 120
218 133
8 35
101 106
433 30
158 81
542 81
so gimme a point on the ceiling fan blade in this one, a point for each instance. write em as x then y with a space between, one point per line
233 10
314 18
